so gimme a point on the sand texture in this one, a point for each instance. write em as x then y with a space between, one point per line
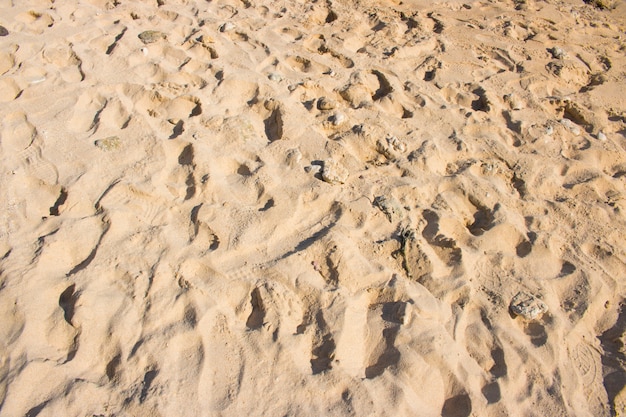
326 208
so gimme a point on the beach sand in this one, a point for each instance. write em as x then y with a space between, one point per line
328 208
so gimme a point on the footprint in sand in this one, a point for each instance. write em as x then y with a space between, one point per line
372 321
385 354
64 254
35 22
9 90
446 248
132 205
223 366
323 349
274 308
306 65
7 59
65 59
22 145
415 261
115 115
87 111
17 132
184 355
202 47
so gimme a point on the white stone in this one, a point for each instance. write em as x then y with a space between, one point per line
333 172
338 119
227 27
571 126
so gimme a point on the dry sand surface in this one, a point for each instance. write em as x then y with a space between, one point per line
284 208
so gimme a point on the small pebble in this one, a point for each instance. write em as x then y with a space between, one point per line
3 31
37 80
227 27
275 77
602 136
557 53
396 144
571 126
324 103
527 306
338 119
391 148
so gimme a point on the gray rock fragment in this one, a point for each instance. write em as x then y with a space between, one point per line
527 306
324 103
151 36
388 206
557 53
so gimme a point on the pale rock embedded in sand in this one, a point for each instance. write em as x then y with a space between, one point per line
527 306
227 27
571 126
333 172
338 119
35 75
391 147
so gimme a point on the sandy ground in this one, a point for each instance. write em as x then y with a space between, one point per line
282 208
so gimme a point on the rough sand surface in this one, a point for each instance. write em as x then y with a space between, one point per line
282 208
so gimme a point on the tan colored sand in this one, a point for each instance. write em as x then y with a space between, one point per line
281 208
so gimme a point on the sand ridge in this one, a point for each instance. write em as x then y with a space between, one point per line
324 208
